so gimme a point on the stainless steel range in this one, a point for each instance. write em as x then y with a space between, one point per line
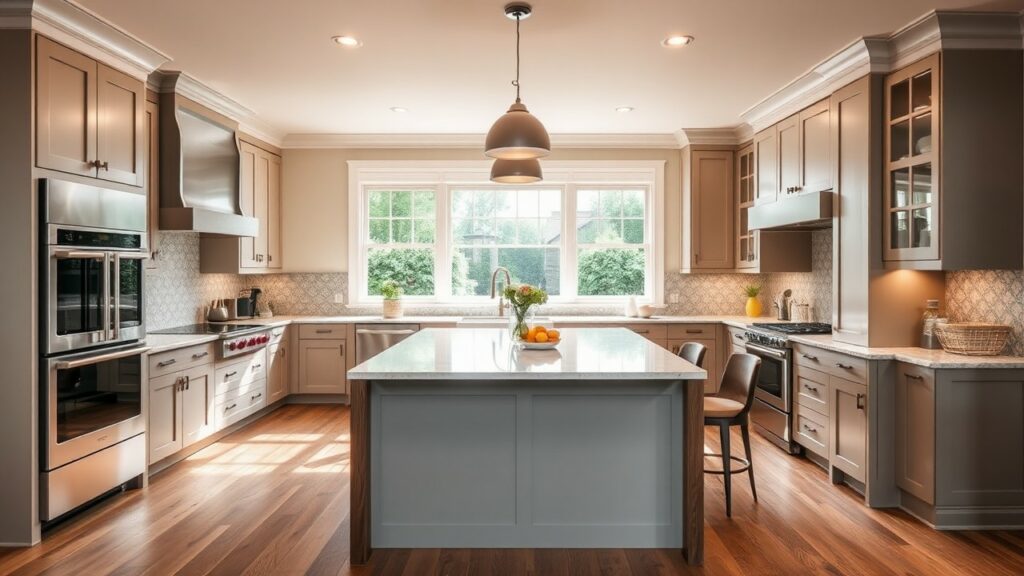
235 339
772 412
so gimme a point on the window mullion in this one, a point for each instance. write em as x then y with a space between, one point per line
569 250
442 243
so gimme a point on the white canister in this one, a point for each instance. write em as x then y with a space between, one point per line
630 311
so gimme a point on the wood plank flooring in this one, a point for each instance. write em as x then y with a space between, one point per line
273 499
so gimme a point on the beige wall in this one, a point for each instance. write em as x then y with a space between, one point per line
18 350
315 211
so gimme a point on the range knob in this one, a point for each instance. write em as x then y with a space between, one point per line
232 345
264 339
241 344
252 341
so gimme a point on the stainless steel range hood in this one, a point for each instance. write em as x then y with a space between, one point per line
808 211
199 168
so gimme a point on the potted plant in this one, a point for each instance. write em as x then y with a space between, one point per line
753 303
521 298
392 293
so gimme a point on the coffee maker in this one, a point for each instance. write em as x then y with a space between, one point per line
247 302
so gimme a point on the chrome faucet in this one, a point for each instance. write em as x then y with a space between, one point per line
501 295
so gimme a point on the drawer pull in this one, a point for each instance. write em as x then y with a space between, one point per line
810 429
641 331
188 382
257 396
811 388
860 401
200 355
257 366
324 331
230 374
810 357
166 363
844 366
231 407
693 331
913 376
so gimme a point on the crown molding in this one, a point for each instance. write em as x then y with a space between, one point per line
635 141
731 136
67 22
934 31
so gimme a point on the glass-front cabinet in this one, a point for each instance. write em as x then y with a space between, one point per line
746 193
911 155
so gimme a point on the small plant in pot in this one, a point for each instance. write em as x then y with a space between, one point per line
753 306
392 293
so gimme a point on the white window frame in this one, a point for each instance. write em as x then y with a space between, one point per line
442 176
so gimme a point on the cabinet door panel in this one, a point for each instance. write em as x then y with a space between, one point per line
322 367
848 424
247 202
277 377
65 109
712 210
274 212
767 161
789 155
164 429
915 431
260 205
815 148
197 403
120 135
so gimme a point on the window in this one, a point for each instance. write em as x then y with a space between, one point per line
590 232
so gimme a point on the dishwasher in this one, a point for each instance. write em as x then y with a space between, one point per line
372 339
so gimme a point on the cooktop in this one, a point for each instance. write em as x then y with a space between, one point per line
214 329
796 327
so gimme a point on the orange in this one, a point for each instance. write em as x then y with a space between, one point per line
554 334
540 329
542 337
530 337
532 333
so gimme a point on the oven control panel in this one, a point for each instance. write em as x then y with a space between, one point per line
237 345
764 339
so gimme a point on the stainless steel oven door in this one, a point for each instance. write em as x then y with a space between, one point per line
128 279
91 401
773 380
77 313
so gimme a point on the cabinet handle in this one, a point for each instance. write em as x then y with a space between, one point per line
860 401
691 331
324 331
257 366
100 165
809 357
166 363
256 397
641 331
179 384
844 366
230 374
200 355
913 376
810 429
811 388
270 258
232 407
188 382
341 349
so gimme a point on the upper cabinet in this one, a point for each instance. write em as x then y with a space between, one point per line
90 119
789 155
953 146
766 162
708 210
260 198
794 156
746 184
815 148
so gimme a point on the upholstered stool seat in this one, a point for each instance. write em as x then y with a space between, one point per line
715 407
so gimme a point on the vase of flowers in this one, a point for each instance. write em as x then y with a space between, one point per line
753 307
521 300
392 293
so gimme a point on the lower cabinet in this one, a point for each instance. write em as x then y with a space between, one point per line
848 427
915 431
180 410
322 366
710 360
277 375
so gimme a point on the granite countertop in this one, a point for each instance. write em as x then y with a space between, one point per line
918 356
489 354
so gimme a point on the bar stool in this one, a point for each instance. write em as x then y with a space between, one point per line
693 353
731 407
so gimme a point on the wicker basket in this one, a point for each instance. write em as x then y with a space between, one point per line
973 338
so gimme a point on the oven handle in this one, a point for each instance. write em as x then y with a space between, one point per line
79 362
79 255
108 331
781 355
115 282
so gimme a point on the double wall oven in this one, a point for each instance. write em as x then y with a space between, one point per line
91 326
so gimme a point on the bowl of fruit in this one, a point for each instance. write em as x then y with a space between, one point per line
540 338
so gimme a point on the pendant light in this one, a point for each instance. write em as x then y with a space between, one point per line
517 135
516 171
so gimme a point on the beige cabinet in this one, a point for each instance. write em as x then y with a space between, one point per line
706 334
789 155
915 431
746 192
260 198
322 366
766 162
277 375
848 427
952 147
707 210
815 148
197 416
152 175
180 410
90 119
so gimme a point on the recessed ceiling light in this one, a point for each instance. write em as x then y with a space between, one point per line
676 41
399 109
624 109
347 41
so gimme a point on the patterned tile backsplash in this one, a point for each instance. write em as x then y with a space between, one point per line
177 293
995 296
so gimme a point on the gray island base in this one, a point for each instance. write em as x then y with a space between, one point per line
460 439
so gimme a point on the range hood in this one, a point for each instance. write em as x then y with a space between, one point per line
199 167
809 211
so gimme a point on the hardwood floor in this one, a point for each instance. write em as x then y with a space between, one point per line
273 499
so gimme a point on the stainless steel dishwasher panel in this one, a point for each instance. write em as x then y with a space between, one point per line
372 339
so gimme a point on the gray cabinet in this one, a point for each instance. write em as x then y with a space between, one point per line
815 148
848 427
915 431
789 155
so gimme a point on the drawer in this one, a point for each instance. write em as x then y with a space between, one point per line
810 430
180 359
651 331
277 334
811 389
322 331
692 331
249 388
229 411
240 374
848 367
736 336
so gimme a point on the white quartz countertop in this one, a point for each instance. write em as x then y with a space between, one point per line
489 354
165 342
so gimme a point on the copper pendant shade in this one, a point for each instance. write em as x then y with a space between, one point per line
525 171
517 135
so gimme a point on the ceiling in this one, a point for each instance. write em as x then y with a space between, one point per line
450 62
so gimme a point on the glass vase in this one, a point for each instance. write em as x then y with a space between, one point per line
519 322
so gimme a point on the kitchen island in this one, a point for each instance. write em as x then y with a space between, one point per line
460 439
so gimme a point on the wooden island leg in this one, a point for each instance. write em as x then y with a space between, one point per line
359 468
693 472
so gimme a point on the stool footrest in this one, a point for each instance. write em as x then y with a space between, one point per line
744 464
